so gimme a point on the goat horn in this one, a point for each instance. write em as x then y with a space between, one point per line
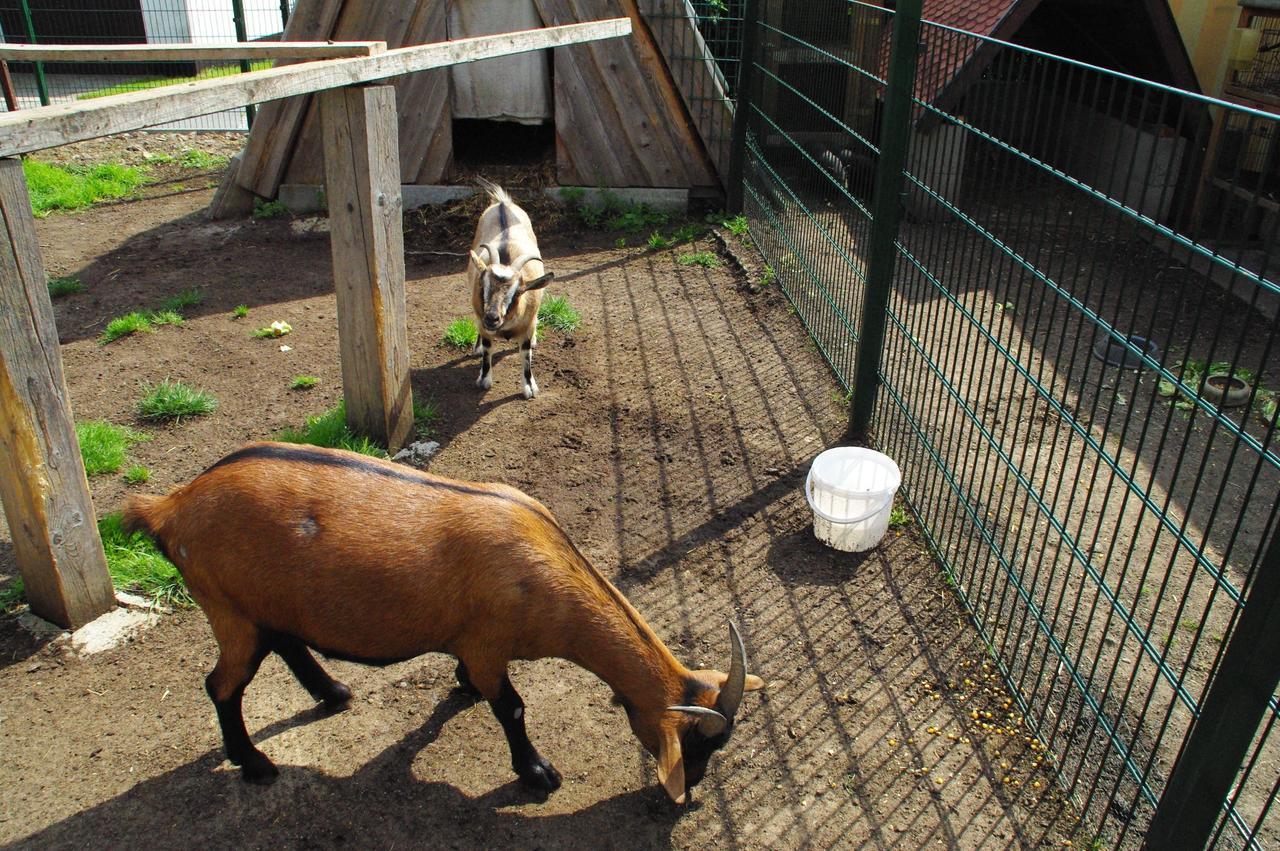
710 722
731 692
519 262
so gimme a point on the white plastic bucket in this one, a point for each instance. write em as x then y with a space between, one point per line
850 490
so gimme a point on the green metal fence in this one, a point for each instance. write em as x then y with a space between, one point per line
130 22
1050 344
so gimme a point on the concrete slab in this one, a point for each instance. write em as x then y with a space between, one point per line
110 630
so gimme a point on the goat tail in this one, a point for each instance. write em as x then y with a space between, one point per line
146 513
494 191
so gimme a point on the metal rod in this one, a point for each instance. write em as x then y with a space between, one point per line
284 15
1229 717
242 35
887 208
41 86
6 84
742 108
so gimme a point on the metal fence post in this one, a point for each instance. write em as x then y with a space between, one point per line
41 86
886 211
284 16
1234 706
242 34
746 81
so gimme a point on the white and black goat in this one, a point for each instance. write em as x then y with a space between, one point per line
506 276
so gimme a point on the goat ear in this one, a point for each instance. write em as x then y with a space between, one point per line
717 679
538 283
671 763
479 264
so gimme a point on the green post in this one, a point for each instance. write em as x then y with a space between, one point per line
242 34
742 107
886 212
41 86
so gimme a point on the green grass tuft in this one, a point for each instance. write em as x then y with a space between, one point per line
240 311
165 317
103 445
65 286
899 518
658 242
303 382
203 160
137 474
330 429
737 226
136 564
557 313
181 301
123 326
54 187
267 209
461 333
173 400
425 417
705 259
769 276
12 594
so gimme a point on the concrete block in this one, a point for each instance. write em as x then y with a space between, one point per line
110 630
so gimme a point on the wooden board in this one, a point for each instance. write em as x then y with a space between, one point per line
695 74
366 231
59 124
42 480
275 127
188 52
619 119
426 107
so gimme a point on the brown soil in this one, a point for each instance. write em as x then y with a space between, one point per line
671 439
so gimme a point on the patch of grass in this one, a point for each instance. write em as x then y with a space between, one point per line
689 232
240 311
136 564
103 445
65 286
1189 624
137 474
612 213
165 317
899 518
156 82
658 242
556 312
173 400
769 276
425 417
330 429
54 187
621 242
196 158
123 326
705 259
303 382
181 301
737 226
267 209
461 333
12 594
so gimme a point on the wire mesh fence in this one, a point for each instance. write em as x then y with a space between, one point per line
133 22
1079 368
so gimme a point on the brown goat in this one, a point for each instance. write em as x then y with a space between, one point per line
290 547
506 283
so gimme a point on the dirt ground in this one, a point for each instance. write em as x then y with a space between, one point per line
671 439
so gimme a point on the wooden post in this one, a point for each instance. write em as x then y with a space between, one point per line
362 185
42 480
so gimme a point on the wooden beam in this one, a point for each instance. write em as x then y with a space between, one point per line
42 480
60 124
366 232
189 52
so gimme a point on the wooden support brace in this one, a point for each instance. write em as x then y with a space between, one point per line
362 184
42 479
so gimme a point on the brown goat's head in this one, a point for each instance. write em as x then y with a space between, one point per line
501 285
683 738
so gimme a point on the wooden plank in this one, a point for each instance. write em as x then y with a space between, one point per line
694 73
42 480
270 145
231 201
366 232
189 52
426 108
60 124
388 19
619 120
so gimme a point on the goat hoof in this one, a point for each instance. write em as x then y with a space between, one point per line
337 697
259 770
540 774
531 390
485 383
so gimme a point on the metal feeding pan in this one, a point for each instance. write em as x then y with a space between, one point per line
1112 352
